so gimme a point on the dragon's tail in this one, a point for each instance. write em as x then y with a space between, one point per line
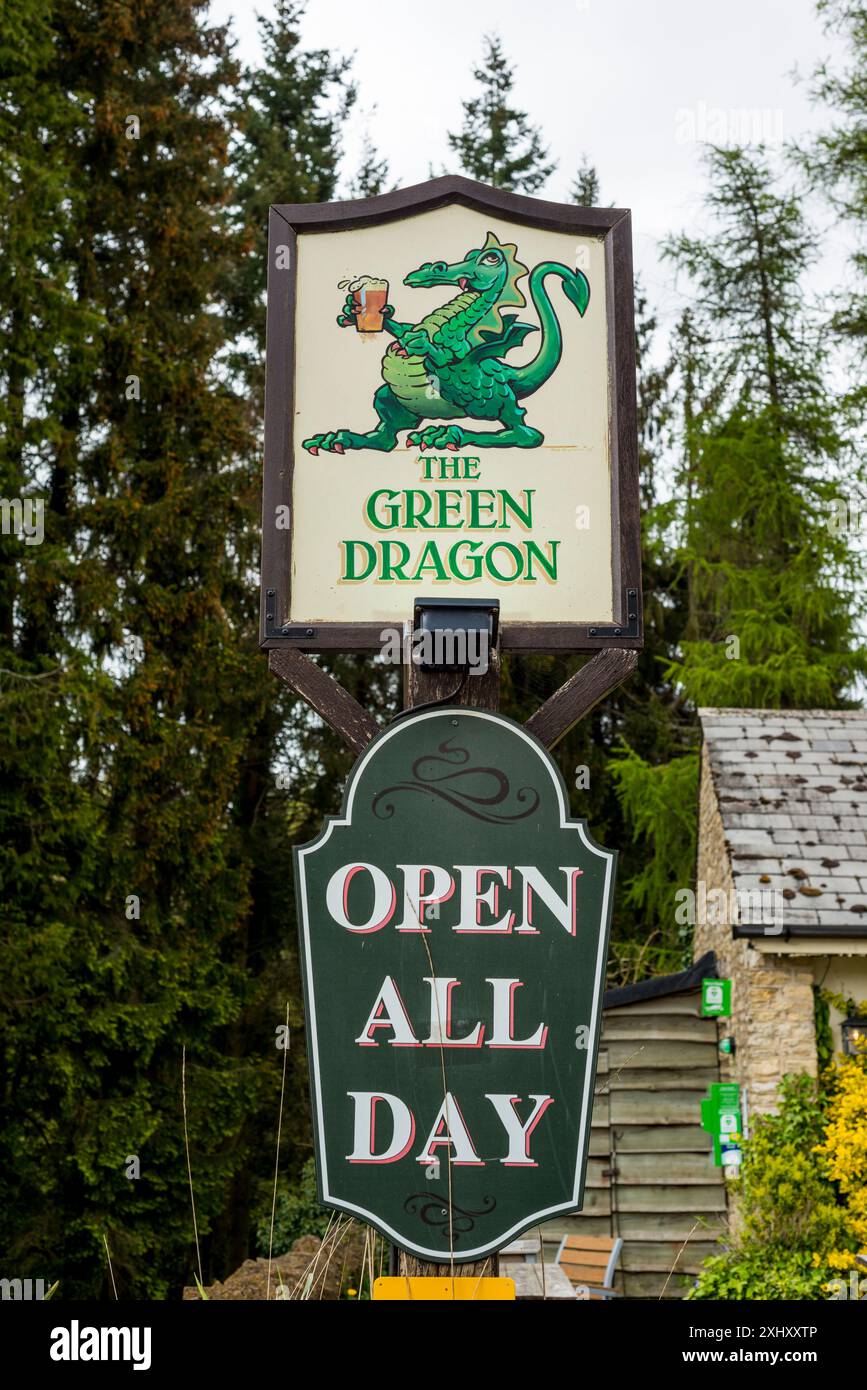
576 288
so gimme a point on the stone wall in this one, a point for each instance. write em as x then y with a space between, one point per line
845 975
772 996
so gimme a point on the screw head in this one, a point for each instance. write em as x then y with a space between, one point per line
617 632
270 592
309 632
592 632
270 617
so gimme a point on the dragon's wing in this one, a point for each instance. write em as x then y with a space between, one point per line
497 345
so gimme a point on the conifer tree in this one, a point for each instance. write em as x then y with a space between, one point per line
497 144
149 874
637 746
290 111
585 188
775 585
837 161
372 173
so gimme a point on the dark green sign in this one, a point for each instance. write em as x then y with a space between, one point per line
454 929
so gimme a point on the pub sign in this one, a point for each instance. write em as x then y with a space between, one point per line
450 410
454 926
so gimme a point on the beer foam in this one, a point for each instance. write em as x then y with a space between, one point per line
363 282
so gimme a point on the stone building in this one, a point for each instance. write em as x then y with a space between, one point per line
781 891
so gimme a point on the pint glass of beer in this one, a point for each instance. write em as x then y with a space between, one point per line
371 296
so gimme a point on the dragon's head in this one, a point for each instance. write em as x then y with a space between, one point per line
494 266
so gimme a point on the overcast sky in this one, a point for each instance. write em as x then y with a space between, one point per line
635 85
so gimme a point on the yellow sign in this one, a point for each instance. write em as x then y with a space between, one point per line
460 1287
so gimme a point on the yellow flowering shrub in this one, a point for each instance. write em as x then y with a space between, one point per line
843 1149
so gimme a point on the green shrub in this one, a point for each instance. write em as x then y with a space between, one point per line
750 1272
790 1217
298 1212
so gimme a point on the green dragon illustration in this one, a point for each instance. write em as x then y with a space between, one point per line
449 366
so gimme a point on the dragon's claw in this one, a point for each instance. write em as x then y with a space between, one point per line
349 312
436 437
333 442
417 342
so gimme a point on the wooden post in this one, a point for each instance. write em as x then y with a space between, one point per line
479 692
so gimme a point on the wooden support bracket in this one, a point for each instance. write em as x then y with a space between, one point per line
325 695
577 697
603 673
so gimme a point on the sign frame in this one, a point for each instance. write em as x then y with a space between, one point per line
610 225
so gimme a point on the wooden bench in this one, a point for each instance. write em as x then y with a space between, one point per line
590 1261
529 1249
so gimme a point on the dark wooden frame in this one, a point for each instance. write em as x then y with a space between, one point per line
613 227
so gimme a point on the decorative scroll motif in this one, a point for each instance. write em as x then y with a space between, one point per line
433 1210
446 776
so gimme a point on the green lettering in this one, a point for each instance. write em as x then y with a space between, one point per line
515 554
548 565
430 560
477 506
349 548
523 515
392 509
393 569
412 518
474 559
445 505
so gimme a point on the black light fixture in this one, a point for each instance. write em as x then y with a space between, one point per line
854 1032
455 627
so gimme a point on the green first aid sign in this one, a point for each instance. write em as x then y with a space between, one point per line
454 926
716 998
721 1117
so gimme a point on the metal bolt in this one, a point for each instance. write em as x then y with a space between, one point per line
309 632
285 628
592 632
270 592
270 617
617 632
632 617
455 723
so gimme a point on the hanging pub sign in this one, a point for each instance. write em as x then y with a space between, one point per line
454 925
450 410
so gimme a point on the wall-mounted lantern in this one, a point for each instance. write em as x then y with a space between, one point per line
854 1031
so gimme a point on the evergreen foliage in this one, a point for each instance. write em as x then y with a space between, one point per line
764 452
153 775
497 144
837 162
372 173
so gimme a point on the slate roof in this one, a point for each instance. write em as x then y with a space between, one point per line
792 793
